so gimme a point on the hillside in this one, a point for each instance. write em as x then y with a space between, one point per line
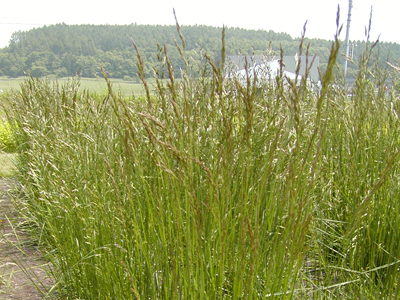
65 50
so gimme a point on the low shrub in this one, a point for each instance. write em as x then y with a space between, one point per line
7 140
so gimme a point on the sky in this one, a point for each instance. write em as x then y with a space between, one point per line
278 15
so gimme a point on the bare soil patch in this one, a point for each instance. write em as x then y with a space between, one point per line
23 271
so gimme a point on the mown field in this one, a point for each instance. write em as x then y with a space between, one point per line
212 187
94 85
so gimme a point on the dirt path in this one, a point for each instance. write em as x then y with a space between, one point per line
22 268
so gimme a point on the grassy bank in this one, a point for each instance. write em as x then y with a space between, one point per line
215 189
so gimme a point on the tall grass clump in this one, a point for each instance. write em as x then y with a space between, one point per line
359 208
213 187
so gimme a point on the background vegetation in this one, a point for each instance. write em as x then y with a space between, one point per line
67 50
95 85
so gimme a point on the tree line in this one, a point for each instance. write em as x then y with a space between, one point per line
66 50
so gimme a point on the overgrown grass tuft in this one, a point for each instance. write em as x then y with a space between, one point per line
214 189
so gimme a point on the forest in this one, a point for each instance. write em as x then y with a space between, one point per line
66 50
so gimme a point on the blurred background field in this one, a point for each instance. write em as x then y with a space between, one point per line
95 85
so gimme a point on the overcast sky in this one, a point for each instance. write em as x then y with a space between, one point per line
278 15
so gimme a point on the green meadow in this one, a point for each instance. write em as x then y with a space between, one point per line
211 187
94 85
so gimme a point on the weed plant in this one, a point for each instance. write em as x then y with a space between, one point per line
213 188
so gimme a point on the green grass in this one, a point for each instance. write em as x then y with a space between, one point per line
7 84
95 85
214 189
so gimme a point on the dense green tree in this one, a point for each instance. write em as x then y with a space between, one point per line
66 50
